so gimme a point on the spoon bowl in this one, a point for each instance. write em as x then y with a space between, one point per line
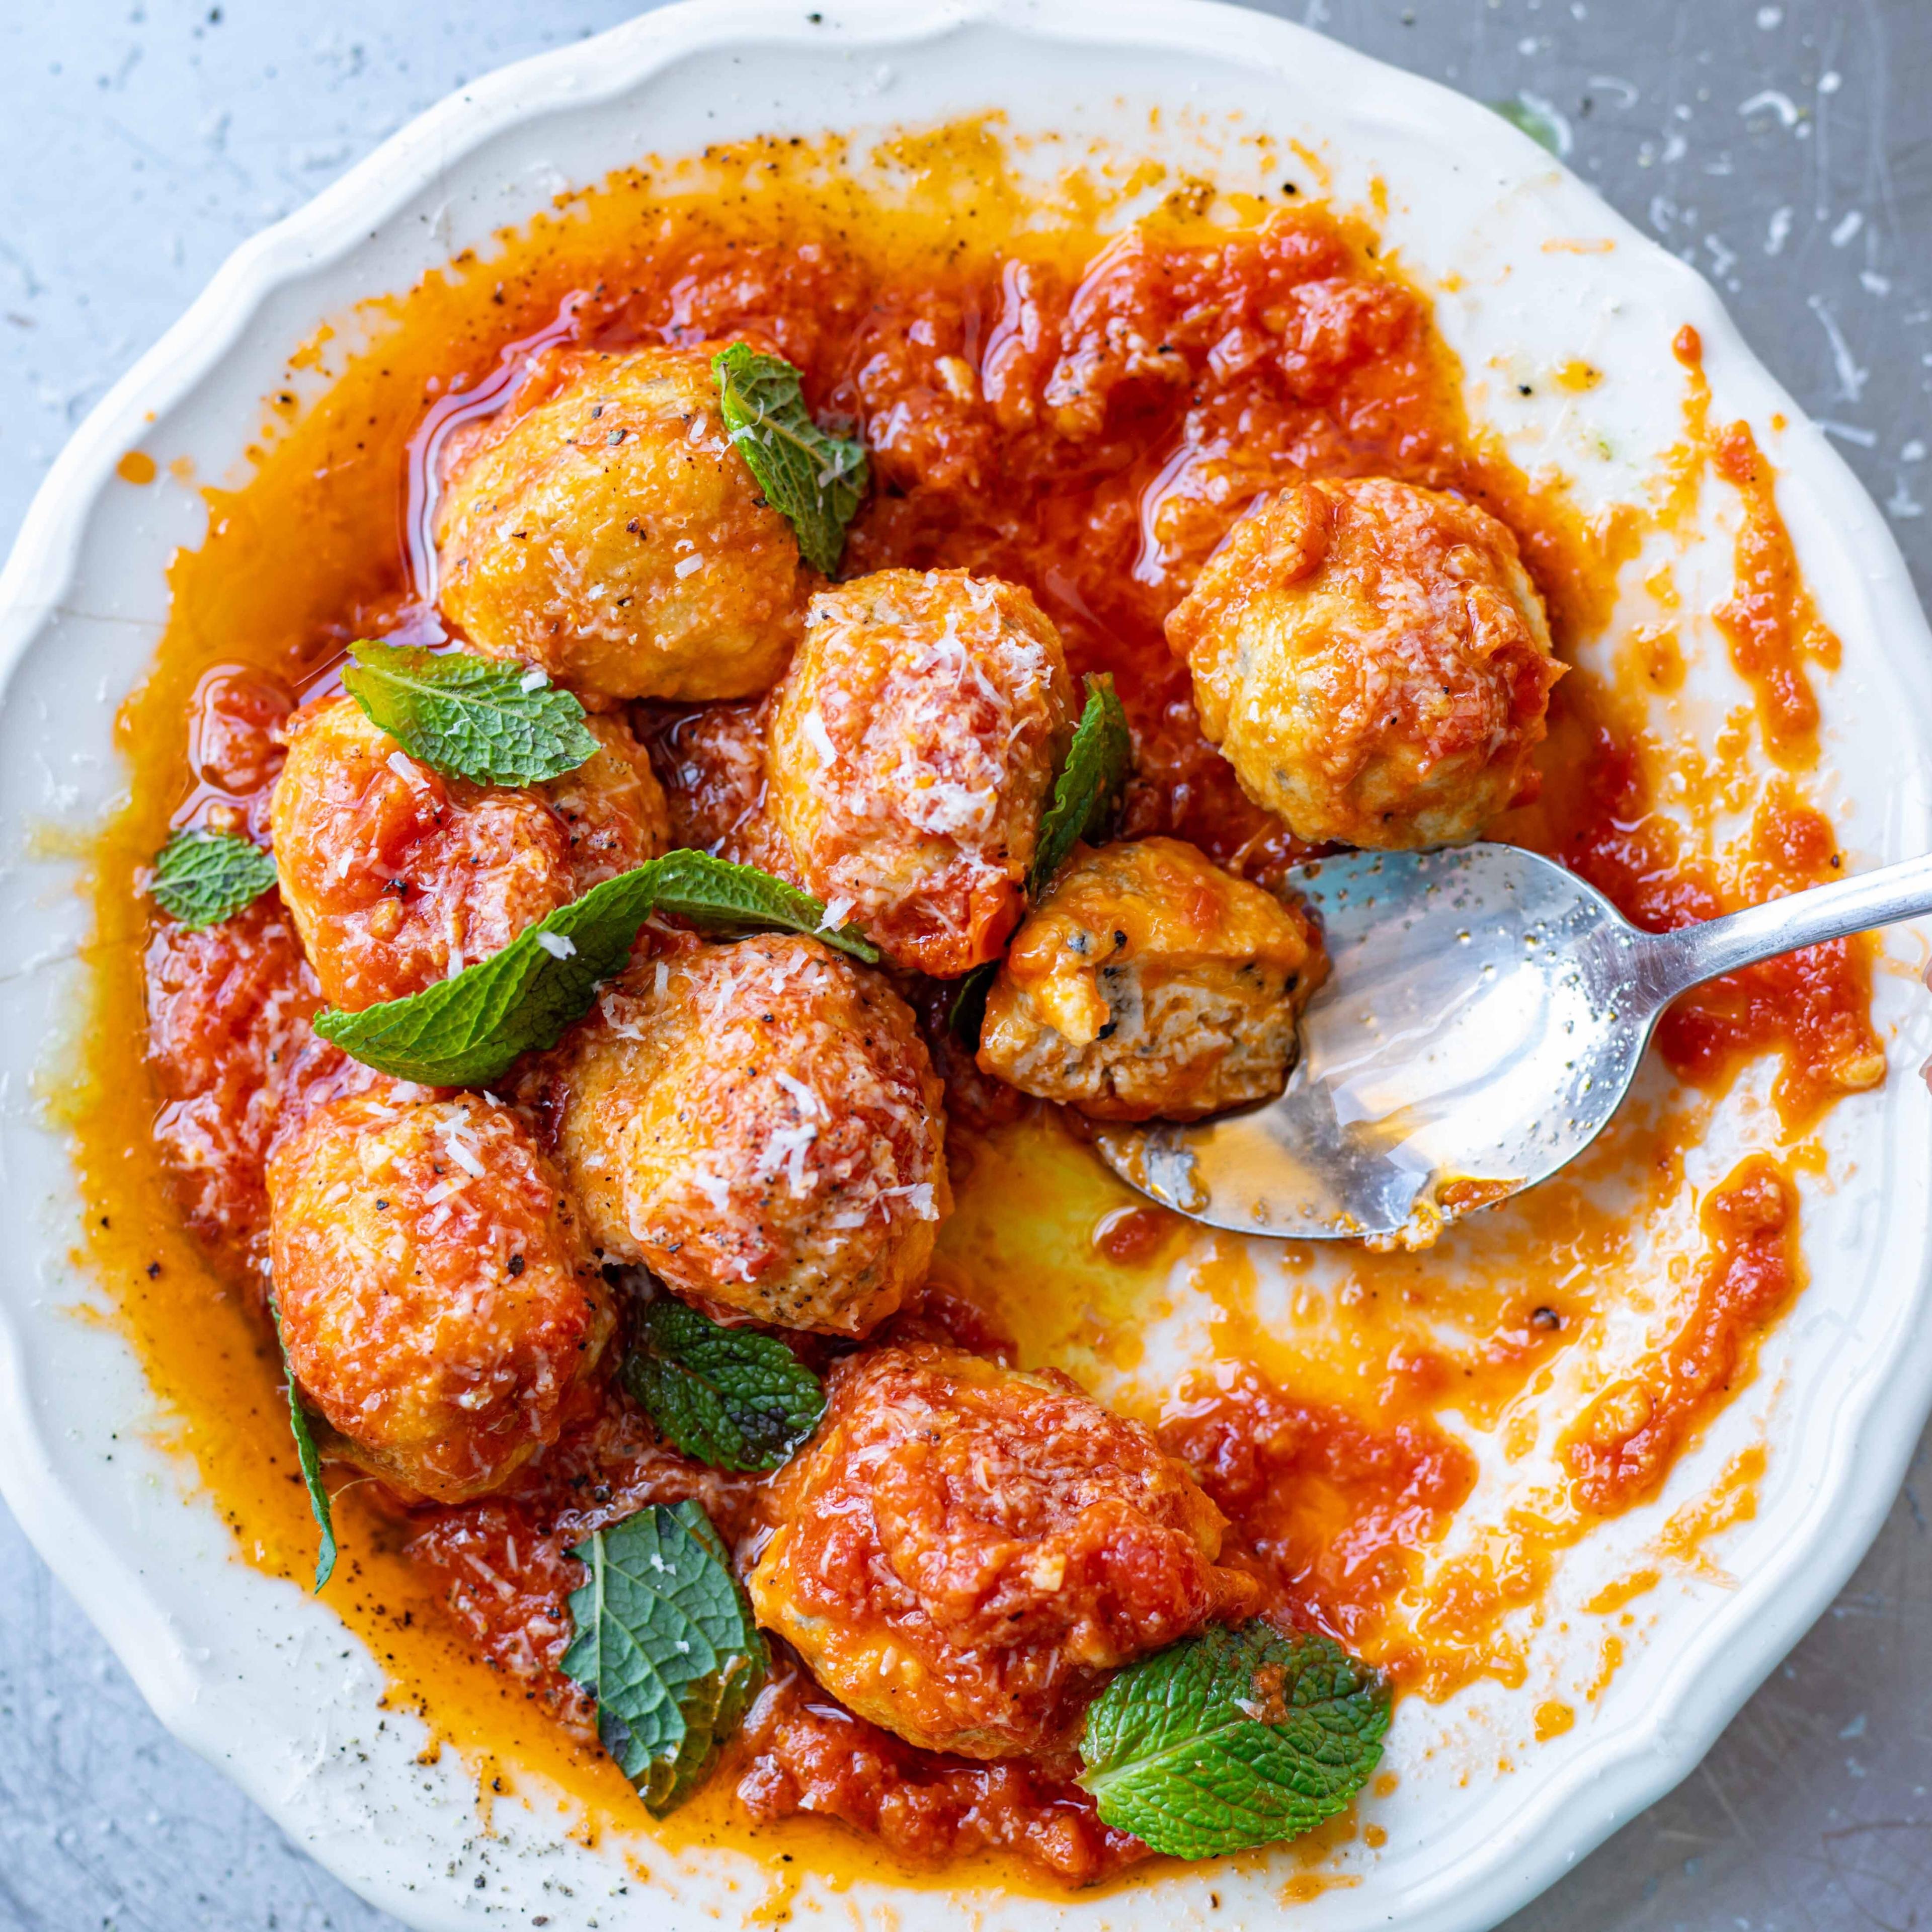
1485 1012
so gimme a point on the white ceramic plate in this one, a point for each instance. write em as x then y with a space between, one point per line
263 1680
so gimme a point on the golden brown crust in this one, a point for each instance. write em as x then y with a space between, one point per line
614 812
1373 660
964 1550
1149 982
612 533
759 1125
438 1302
396 878
913 750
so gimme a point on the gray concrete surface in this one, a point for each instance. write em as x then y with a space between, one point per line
1785 148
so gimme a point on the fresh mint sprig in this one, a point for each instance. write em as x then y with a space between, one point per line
967 1015
1086 803
730 1397
1534 121
469 717
664 1641
466 1030
1087 793
717 896
202 877
311 1460
816 480
1232 1738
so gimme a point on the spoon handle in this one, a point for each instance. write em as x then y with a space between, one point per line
1671 962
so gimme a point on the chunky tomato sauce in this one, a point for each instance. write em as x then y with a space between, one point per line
1622 1449
1086 414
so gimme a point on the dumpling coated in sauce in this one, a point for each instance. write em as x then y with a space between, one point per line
1374 660
396 877
609 530
438 1302
964 1551
913 752
759 1124
1149 983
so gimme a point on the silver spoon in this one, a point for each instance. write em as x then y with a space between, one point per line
1483 1017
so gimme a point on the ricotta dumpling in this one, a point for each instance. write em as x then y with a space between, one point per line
1150 983
1372 659
759 1124
396 877
438 1302
912 750
963 1552
606 527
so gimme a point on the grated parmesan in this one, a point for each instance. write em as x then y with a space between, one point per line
463 1153
918 1196
713 1187
809 1103
813 726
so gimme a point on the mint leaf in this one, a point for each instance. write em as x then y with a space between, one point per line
1087 794
967 1013
469 717
1232 1738
817 480
715 895
1534 121
730 1397
318 1505
665 1642
465 1031
1086 801
202 877
306 1454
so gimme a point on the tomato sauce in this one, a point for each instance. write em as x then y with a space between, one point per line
807 1753
1811 1007
1326 1503
1623 1447
1085 411
1772 624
